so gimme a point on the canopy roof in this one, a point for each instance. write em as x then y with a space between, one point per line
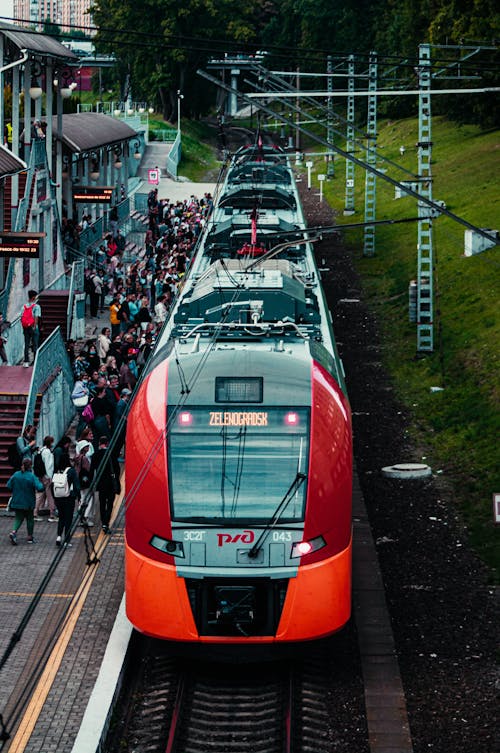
38 44
9 163
84 131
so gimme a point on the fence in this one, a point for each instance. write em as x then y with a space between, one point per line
174 156
53 379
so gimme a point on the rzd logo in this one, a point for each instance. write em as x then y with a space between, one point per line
246 537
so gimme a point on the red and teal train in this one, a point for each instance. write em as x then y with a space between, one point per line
239 446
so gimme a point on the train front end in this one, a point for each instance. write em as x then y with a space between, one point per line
239 484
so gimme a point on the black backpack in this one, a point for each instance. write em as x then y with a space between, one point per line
38 465
13 456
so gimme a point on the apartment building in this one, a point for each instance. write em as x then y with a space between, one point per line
64 13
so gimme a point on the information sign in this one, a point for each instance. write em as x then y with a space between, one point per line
25 245
93 194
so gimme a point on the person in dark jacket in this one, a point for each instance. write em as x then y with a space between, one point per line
65 505
23 484
108 481
61 453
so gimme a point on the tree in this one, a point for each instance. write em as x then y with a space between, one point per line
154 42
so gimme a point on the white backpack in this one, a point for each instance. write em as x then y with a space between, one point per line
60 484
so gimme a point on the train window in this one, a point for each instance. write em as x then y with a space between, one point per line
238 389
237 463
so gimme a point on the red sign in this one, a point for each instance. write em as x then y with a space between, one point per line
246 537
154 176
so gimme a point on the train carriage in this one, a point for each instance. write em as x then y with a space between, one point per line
239 447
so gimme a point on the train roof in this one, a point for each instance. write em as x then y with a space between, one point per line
226 286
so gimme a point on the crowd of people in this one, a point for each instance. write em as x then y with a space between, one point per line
138 295
154 276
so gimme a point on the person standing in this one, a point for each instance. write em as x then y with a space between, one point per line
114 318
82 464
26 443
23 484
95 292
103 343
108 480
30 321
61 453
4 326
65 503
45 496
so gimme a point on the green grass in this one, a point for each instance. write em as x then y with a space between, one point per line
199 161
459 427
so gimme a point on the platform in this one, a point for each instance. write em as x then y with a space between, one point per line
15 380
58 656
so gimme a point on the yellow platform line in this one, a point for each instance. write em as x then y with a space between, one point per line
44 685
30 596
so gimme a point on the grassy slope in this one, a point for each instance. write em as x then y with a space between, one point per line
198 161
459 428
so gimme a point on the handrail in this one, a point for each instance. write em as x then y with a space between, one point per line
76 284
174 156
50 358
163 134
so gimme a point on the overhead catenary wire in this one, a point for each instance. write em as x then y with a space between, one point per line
128 37
348 156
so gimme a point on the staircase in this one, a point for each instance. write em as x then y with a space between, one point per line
7 198
7 208
12 410
54 305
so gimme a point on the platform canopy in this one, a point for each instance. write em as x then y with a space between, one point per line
39 45
9 163
84 131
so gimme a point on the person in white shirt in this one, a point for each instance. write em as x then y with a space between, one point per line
160 310
45 498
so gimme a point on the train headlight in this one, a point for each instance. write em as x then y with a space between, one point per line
167 546
300 548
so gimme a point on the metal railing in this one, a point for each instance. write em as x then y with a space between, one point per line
75 286
174 156
163 134
53 379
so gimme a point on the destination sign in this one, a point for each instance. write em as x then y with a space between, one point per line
238 418
93 194
26 245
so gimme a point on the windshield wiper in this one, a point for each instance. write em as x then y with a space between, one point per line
292 490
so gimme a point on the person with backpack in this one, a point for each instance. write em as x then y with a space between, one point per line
23 484
43 468
66 491
30 322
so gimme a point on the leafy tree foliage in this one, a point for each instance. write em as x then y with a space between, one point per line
160 44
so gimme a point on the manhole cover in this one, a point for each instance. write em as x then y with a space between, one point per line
407 470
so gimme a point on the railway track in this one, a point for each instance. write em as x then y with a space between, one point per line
170 706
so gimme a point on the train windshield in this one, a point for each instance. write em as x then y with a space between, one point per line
237 463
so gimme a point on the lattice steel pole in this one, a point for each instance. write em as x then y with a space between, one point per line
349 166
425 327
330 172
371 159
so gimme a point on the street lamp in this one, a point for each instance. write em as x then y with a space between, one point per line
179 97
